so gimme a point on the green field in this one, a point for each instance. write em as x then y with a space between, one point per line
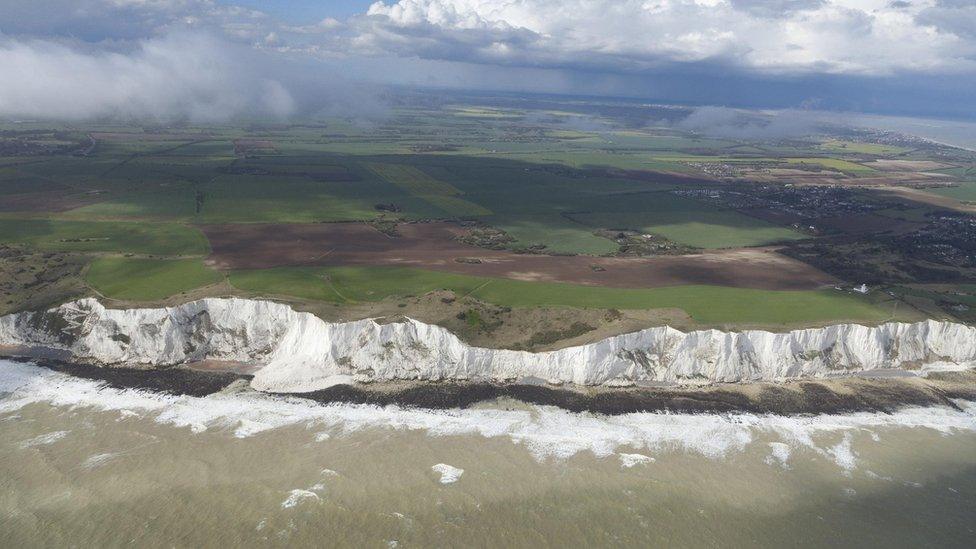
838 164
246 199
455 206
138 279
412 180
833 164
836 145
965 192
683 220
442 195
550 173
118 237
718 229
710 305
558 234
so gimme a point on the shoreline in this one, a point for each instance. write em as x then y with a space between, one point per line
795 397
295 352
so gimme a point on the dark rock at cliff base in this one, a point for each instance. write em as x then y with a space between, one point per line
176 381
801 397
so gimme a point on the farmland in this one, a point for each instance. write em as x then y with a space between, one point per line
93 236
542 205
136 279
707 305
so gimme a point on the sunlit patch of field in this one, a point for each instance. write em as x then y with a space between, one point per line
99 236
833 164
483 112
140 279
964 192
705 304
837 145
557 233
438 193
683 220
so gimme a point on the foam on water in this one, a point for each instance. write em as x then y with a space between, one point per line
297 496
43 440
547 432
631 460
449 474
780 454
98 460
842 453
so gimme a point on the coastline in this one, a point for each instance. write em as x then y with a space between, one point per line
294 352
795 397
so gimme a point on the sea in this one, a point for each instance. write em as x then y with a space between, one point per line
957 133
87 465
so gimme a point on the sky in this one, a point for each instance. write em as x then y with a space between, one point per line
217 59
298 11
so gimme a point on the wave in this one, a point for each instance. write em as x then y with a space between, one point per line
547 432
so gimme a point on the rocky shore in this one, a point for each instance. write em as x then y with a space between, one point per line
845 395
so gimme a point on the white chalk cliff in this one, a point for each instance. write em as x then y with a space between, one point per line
301 352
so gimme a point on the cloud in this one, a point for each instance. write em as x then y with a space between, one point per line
776 8
840 37
182 75
738 124
951 16
211 59
856 37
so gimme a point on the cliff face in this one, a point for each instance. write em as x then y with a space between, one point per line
301 352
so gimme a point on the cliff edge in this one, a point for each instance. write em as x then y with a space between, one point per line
299 352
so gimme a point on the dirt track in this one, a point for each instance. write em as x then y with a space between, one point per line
434 246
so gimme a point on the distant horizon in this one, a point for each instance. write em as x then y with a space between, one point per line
957 132
214 60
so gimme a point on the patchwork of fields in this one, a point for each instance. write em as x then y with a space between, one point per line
488 203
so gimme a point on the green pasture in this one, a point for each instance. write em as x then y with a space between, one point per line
555 232
965 192
140 279
93 236
833 164
683 220
441 195
705 304
836 145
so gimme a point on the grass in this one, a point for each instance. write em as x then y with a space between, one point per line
838 164
965 192
412 180
833 164
836 145
303 282
94 236
442 195
711 305
247 199
455 206
683 220
484 112
715 230
139 279
558 234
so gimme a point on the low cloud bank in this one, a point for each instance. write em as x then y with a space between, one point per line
739 124
181 75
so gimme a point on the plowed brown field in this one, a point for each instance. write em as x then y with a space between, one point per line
434 246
